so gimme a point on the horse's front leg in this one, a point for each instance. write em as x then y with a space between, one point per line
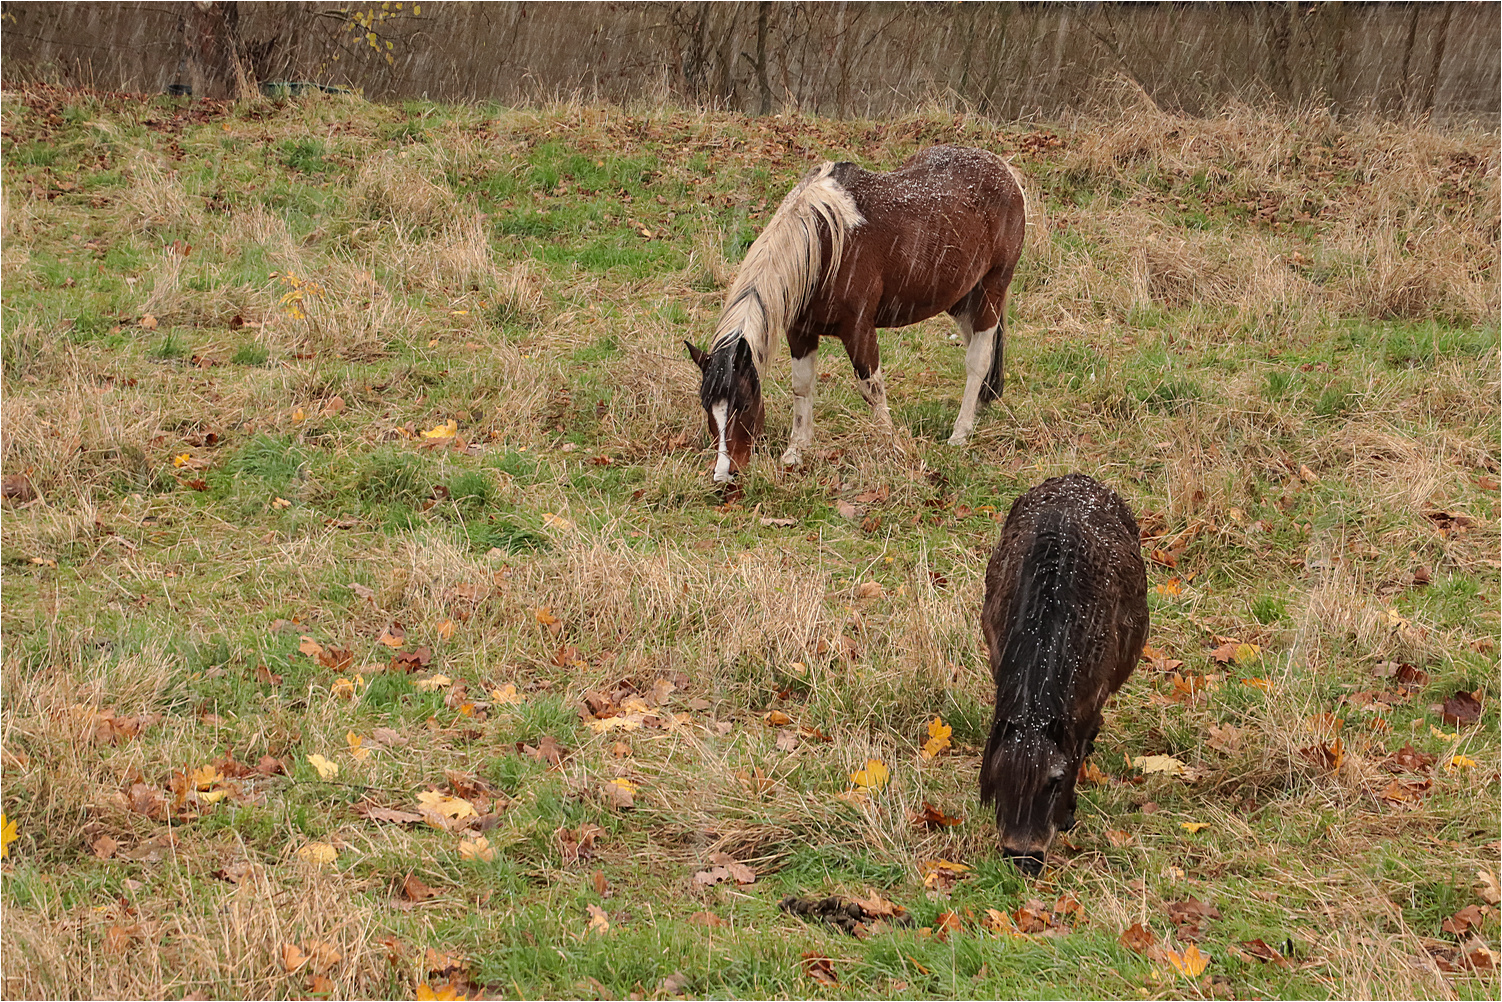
865 358
805 378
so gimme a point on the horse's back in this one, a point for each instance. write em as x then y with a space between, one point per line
1069 552
956 211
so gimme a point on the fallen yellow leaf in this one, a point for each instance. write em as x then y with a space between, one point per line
477 848
1159 763
505 695
357 746
873 777
318 852
205 776
598 923
448 429
449 807
618 723
1193 826
432 682
326 769
1460 762
938 738
1190 964
446 629
8 835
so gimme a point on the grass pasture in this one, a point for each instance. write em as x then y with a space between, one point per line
363 436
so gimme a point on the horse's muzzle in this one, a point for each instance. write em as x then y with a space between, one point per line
1030 863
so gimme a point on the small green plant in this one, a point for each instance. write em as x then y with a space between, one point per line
1334 400
251 354
169 347
306 156
392 477
504 534
471 489
1268 609
1278 384
88 326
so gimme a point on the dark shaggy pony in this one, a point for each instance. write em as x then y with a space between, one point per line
1065 617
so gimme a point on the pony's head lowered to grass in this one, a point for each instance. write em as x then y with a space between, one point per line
731 395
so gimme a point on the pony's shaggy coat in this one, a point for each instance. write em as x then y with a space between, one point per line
1065 617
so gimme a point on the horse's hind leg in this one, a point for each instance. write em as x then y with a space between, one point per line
979 346
805 378
983 329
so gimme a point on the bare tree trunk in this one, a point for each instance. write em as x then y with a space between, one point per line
1432 84
763 10
211 34
1405 83
1280 24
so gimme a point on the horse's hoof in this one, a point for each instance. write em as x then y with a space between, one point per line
958 440
792 459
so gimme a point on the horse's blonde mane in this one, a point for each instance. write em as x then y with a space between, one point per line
783 267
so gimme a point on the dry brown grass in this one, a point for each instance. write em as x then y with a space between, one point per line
413 312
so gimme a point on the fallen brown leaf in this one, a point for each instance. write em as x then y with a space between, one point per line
413 889
709 919
821 969
1461 708
1257 948
1137 938
1464 920
931 817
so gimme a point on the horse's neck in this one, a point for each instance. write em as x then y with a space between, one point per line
746 319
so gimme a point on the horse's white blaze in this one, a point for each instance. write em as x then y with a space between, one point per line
721 412
805 378
977 365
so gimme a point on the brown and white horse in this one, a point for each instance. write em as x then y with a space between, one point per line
851 250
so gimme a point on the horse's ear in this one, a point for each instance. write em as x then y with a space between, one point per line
701 358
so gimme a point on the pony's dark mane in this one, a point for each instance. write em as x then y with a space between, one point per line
1038 654
720 374
1045 606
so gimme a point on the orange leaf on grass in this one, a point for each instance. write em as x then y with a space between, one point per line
938 738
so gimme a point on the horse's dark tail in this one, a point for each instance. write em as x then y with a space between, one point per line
996 377
1035 670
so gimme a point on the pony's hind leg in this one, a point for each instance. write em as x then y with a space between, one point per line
983 326
978 355
805 378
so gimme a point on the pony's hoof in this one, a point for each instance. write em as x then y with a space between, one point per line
958 439
791 459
